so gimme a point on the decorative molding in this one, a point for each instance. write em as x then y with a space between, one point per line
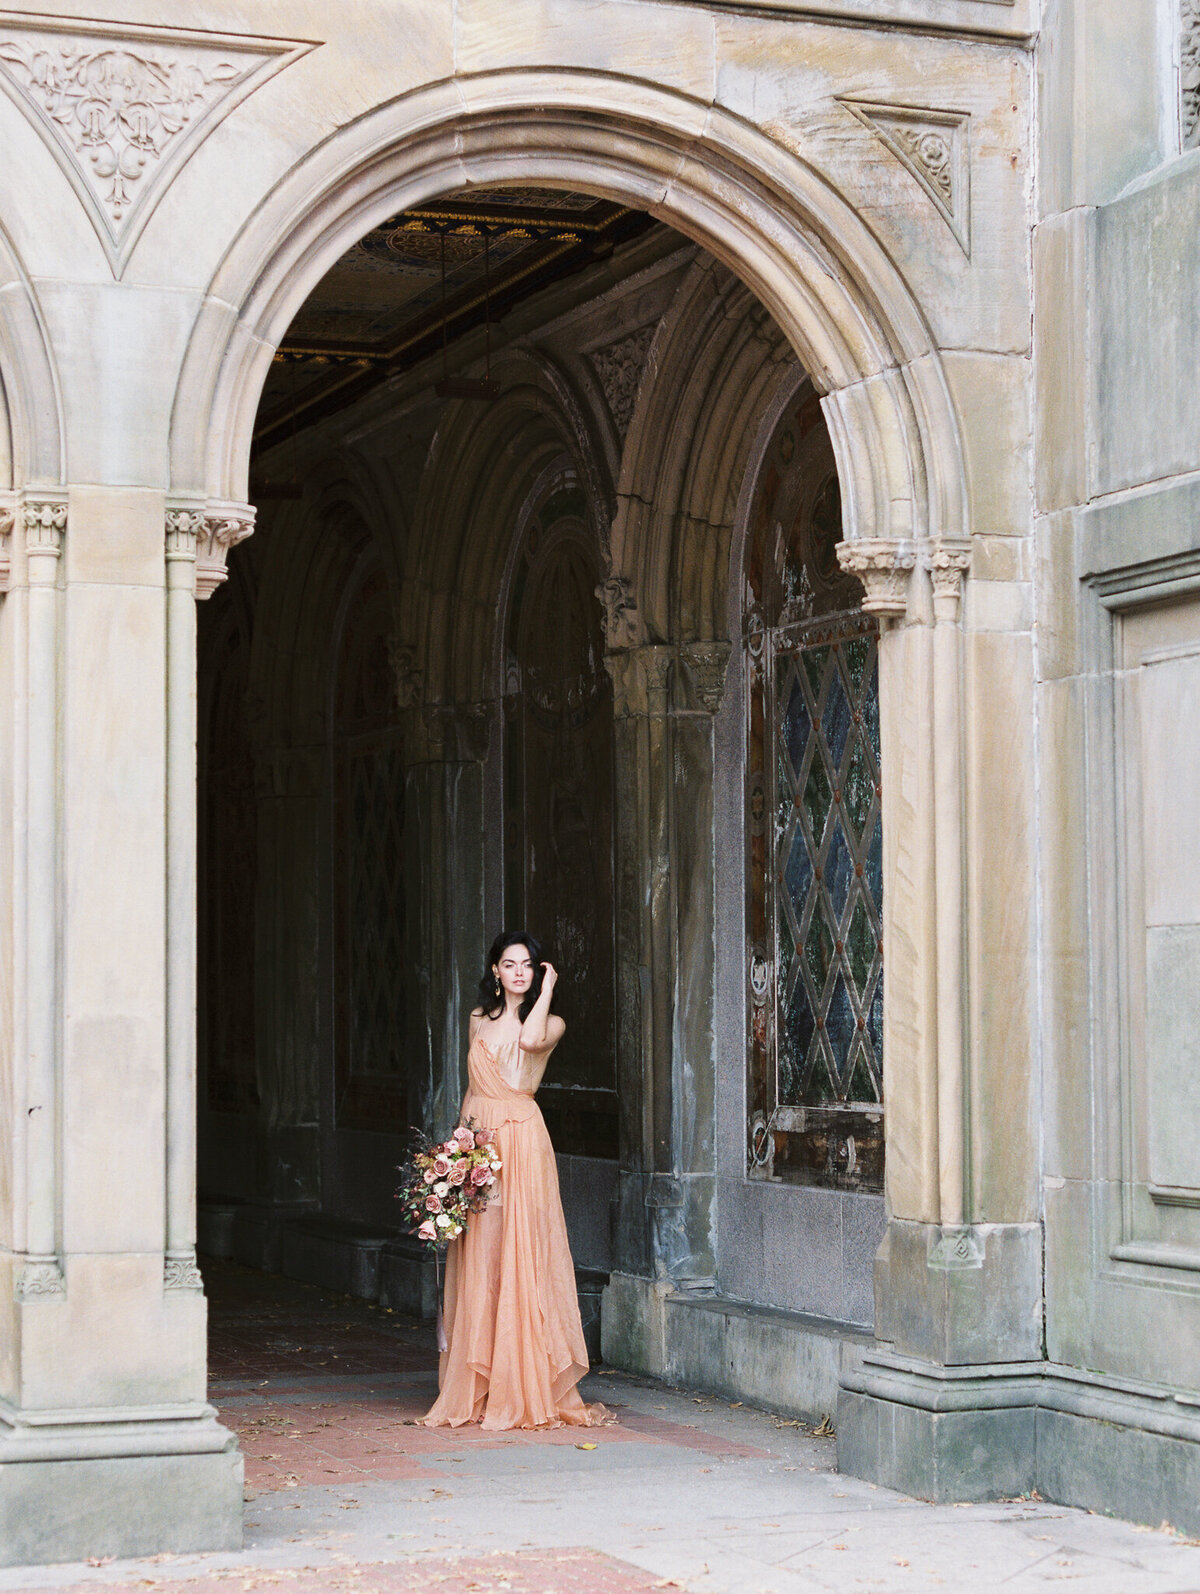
956 1249
122 108
622 623
882 564
933 147
183 529
1189 73
8 521
223 526
407 676
947 561
181 1273
620 367
706 665
44 520
40 1279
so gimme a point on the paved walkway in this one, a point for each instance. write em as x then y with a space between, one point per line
683 1492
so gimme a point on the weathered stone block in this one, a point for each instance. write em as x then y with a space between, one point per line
127 1505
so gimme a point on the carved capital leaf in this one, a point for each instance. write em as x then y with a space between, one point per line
44 521
932 146
622 622
121 107
706 665
223 526
948 560
883 565
1189 72
407 675
182 1273
40 1279
8 521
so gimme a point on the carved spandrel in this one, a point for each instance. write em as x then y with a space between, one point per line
932 146
122 108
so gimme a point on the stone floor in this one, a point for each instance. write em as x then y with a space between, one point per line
346 1496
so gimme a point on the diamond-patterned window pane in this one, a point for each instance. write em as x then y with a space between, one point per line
828 869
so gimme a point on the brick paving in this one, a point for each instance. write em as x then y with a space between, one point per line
323 1391
555 1572
346 1495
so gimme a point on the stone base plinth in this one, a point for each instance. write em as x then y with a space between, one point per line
119 1506
994 1431
784 1361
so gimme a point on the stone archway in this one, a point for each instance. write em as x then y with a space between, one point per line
870 354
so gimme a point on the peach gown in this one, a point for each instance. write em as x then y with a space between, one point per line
516 1349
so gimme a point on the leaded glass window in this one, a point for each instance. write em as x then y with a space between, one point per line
816 847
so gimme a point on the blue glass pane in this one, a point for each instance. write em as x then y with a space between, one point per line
870 713
858 788
835 719
818 795
796 725
875 1021
857 653
874 864
815 660
799 1026
839 871
839 1022
799 871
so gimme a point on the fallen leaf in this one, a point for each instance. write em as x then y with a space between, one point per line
98 1560
585 1447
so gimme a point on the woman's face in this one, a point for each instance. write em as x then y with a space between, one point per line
515 969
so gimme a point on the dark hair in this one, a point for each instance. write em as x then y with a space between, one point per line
491 1005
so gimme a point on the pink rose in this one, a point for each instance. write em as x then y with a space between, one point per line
430 1176
484 1137
427 1230
441 1167
433 1203
464 1137
457 1174
479 1176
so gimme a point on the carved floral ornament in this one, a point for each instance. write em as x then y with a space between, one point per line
206 535
1189 72
932 146
42 519
121 108
885 564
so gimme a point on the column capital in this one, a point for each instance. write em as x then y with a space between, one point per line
641 678
225 525
948 560
883 565
706 665
41 1278
8 520
622 620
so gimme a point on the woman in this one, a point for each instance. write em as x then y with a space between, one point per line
516 1348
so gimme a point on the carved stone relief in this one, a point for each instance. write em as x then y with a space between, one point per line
883 566
40 1279
122 108
932 145
621 625
620 366
1189 72
8 519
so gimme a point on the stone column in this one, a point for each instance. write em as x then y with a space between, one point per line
664 701
107 1443
940 1406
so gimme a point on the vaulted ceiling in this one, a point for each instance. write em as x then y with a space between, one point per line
420 280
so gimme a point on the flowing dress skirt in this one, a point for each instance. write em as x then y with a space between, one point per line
515 1342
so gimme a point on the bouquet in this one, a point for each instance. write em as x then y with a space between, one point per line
443 1182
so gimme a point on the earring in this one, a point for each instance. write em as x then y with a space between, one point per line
497 987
